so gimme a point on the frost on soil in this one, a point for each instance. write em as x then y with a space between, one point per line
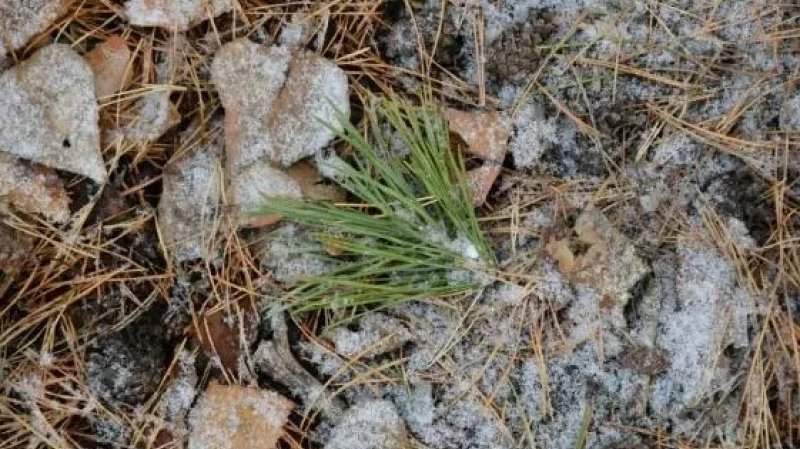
611 363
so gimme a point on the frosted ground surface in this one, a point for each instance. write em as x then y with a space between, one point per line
639 182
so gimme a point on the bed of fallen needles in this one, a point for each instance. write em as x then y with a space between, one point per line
391 224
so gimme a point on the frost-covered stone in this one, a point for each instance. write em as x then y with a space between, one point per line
234 417
50 112
174 14
191 194
370 425
20 20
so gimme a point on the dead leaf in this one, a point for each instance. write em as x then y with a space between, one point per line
559 250
235 417
191 193
312 184
221 332
152 115
49 112
14 248
33 189
486 135
21 20
109 62
481 180
277 124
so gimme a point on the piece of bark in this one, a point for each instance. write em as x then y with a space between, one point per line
274 358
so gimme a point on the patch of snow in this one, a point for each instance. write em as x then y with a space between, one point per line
369 425
290 253
377 334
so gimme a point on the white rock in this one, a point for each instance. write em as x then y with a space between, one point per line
49 112
174 14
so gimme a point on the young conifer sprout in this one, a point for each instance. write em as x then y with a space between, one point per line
414 233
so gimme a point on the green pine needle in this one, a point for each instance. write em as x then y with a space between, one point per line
417 235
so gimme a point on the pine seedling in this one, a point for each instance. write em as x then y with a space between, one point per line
415 234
